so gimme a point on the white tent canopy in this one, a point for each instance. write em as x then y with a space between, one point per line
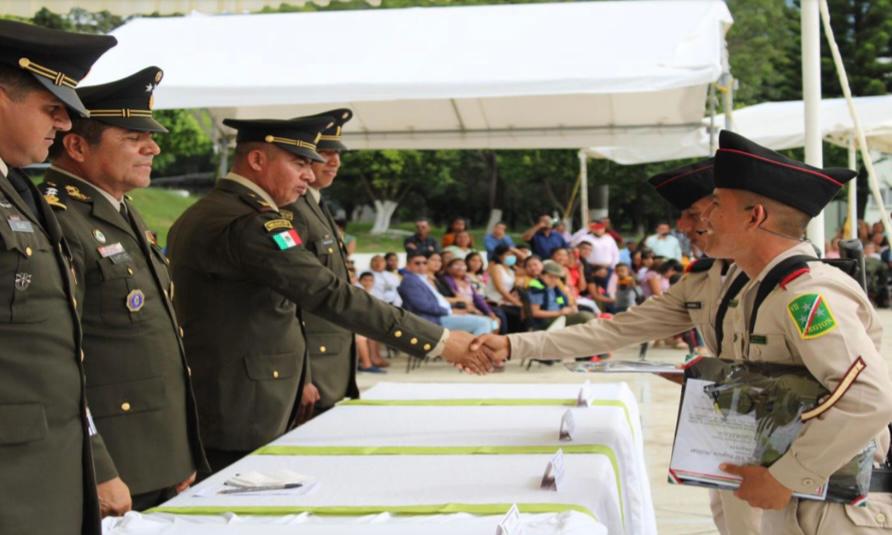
564 75
776 125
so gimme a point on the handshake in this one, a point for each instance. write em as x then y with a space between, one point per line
480 355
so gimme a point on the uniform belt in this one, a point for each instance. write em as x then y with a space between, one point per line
881 479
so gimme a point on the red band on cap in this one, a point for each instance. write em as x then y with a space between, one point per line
781 164
676 177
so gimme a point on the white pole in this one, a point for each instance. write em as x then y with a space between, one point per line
853 192
583 188
811 95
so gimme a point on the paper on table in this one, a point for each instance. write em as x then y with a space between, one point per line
705 438
623 366
254 483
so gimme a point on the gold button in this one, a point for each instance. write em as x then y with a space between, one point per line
181 332
171 289
167 295
125 406
427 347
397 334
28 251
881 518
322 349
413 341
189 371
275 374
74 302
808 482
130 271
330 250
82 355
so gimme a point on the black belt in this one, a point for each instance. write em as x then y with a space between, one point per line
881 479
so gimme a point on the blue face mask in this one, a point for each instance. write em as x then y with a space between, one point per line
510 260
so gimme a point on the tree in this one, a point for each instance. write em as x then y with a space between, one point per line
863 31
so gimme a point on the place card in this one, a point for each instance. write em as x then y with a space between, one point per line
568 426
584 399
510 523
554 472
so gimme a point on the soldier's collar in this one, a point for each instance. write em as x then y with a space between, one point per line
315 194
801 248
4 170
116 204
260 192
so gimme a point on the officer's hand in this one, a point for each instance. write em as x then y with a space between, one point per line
307 403
114 497
184 484
459 353
759 488
494 346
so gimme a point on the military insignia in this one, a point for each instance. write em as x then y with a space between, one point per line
287 239
110 250
811 315
277 224
75 193
135 300
287 214
758 339
22 281
5 204
98 235
693 305
854 371
51 196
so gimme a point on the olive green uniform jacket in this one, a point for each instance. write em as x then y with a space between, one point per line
138 385
331 349
239 283
46 468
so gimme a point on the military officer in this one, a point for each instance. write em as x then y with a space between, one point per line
331 368
798 311
692 302
138 387
45 462
242 270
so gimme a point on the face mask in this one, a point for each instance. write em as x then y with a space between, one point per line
510 260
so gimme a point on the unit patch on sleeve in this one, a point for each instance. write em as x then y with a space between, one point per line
811 315
277 224
287 239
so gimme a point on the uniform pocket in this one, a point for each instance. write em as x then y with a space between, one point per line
324 346
117 306
271 367
22 423
126 398
877 514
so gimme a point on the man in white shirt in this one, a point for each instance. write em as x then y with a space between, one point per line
604 249
663 243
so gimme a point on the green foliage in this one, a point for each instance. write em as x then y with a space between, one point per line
187 147
863 31
160 208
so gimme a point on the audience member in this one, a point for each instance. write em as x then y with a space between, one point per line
461 245
498 237
476 273
348 239
542 237
499 289
392 263
548 302
458 285
604 250
386 283
457 225
663 243
421 241
627 293
367 350
561 228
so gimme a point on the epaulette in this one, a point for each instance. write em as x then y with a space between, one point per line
53 196
287 214
74 193
793 276
700 265
254 201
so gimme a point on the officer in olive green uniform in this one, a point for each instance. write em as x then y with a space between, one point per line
331 351
242 270
46 473
797 311
137 382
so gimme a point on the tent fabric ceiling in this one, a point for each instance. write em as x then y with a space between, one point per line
510 76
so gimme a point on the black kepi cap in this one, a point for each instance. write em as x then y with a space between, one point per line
683 186
331 137
298 136
126 102
743 164
57 59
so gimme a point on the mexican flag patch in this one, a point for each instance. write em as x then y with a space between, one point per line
811 315
287 239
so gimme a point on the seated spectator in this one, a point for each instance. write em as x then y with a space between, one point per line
657 278
420 296
561 228
442 259
392 263
499 290
386 283
458 286
421 241
626 293
573 282
598 290
664 243
542 238
457 225
498 237
461 246
642 262
368 351
548 302
604 251
529 272
348 239
476 274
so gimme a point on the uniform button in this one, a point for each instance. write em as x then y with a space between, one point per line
330 250
125 406
302 322
322 349
413 341
275 374
427 347
397 334
189 371
881 518
130 271
808 482
181 332
166 294
28 251
82 355
74 302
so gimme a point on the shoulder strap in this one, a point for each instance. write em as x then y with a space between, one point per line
738 284
778 273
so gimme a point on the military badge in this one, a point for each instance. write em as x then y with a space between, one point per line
98 235
287 239
5 203
135 300
75 193
22 281
811 315
276 224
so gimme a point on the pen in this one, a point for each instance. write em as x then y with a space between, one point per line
262 487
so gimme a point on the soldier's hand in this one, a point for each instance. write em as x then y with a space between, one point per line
307 403
494 346
759 488
458 352
114 497
184 484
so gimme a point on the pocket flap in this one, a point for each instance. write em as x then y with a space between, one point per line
126 398
111 270
272 367
22 423
877 513
324 346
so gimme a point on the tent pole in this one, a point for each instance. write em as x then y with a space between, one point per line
583 188
711 106
853 192
811 95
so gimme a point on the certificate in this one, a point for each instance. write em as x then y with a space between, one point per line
623 366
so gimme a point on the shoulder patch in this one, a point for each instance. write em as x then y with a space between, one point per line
257 203
276 224
287 239
811 315
76 193
700 265
287 214
53 196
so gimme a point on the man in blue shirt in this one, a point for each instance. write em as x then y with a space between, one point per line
422 241
496 238
543 239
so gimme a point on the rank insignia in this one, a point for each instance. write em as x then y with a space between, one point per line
811 315
22 281
287 239
276 224
287 214
135 300
75 193
98 235
4 203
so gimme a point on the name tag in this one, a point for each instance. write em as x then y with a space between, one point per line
693 305
17 224
568 426
758 339
510 523
732 303
112 249
554 472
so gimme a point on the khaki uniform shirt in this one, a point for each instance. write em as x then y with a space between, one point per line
46 465
241 272
137 379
